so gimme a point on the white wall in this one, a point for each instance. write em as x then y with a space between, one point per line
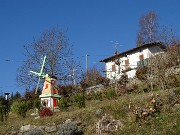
50 101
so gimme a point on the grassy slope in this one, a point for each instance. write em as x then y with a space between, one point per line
167 122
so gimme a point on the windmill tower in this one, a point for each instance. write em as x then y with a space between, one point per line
49 96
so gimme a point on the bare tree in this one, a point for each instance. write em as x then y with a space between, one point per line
140 40
75 72
94 77
55 45
168 36
148 28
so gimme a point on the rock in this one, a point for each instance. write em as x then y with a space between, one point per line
67 121
50 129
59 126
176 107
37 117
14 133
35 112
97 101
108 124
25 128
96 88
42 128
99 112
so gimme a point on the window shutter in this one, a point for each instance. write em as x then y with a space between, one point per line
127 62
113 68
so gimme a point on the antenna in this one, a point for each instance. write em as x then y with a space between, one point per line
116 44
40 74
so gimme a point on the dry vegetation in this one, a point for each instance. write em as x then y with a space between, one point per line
167 122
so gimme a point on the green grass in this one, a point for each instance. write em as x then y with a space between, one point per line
167 122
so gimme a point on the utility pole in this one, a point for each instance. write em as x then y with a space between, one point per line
87 63
73 76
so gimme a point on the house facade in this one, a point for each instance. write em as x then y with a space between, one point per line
128 61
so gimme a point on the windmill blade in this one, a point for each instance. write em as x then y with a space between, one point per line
35 73
37 85
42 66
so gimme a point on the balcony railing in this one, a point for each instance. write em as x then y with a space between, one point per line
142 63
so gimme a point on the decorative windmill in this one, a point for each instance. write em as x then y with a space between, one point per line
40 74
49 96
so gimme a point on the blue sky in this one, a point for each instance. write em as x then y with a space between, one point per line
91 25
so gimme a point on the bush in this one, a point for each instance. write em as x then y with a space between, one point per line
45 112
80 100
123 80
34 131
29 104
69 128
37 104
63 104
173 81
3 113
135 88
20 108
110 93
141 73
97 95
177 91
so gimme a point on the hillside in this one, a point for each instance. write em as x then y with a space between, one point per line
165 122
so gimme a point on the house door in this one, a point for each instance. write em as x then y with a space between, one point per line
54 102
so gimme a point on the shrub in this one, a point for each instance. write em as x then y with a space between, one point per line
123 80
20 108
37 104
63 104
173 81
80 100
110 93
69 128
141 73
23 108
34 131
29 104
90 95
45 112
3 113
177 91
97 95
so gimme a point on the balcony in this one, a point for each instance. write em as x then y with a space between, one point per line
142 63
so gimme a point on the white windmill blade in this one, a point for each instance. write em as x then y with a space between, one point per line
35 73
40 74
42 66
37 85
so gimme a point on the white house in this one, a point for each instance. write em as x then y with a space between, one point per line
128 61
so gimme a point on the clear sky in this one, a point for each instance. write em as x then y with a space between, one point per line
91 25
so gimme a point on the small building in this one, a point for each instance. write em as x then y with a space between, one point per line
128 61
50 96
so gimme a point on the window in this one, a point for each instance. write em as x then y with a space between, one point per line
53 81
113 68
127 62
141 57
